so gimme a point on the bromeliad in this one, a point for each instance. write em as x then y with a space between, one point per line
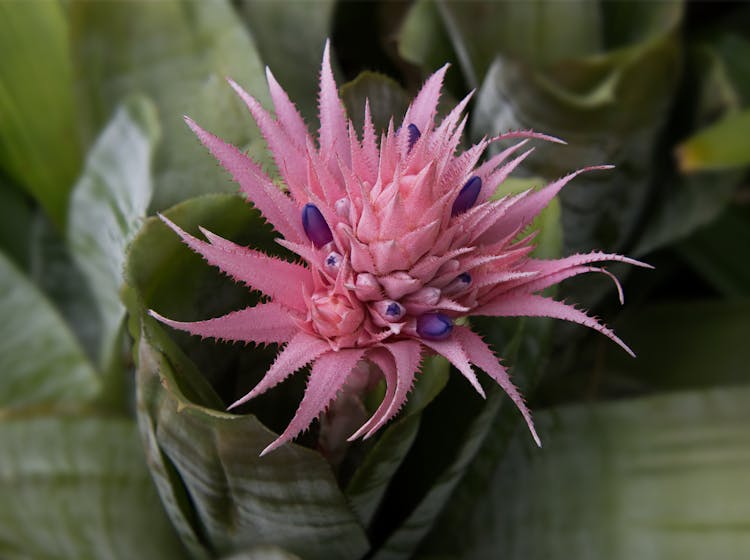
400 237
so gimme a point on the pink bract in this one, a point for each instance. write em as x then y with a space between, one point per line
399 238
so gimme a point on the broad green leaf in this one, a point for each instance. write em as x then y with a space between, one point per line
610 108
527 349
653 478
263 553
54 271
454 430
413 525
171 490
387 99
680 345
683 203
422 38
40 360
542 33
289 37
723 145
15 224
735 52
221 495
108 205
289 498
539 32
78 488
178 52
713 252
39 144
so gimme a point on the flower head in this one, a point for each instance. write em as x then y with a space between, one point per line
399 238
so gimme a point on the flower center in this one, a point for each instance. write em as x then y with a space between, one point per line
335 315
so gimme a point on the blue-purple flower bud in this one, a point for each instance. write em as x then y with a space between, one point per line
434 326
394 310
467 196
315 225
414 135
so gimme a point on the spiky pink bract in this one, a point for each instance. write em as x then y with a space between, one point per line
399 237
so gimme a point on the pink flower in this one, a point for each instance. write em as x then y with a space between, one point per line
399 238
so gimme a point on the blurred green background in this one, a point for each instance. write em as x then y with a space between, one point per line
113 438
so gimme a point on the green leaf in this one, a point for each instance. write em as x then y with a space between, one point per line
178 52
527 349
413 525
54 271
40 360
39 144
453 430
713 251
387 99
683 203
735 52
606 115
422 39
289 37
15 224
108 205
263 553
539 32
720 146
220 494
78 488
289 498
658 477
680 345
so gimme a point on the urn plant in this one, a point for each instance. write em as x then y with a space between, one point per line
328 311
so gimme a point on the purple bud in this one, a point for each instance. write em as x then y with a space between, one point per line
389 310
434 326
467 196
414 135
394 310
465 278
315 226
333 261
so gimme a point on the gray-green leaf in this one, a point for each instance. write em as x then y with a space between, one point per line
77 488
108 205
662 477
40 360
39 144
289 37
179 53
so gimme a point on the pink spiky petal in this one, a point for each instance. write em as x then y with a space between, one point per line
481 355
333 135
288 152
265 323
275 206
283 281
522 213
452 350
407 356
530 305
328 375
301 350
